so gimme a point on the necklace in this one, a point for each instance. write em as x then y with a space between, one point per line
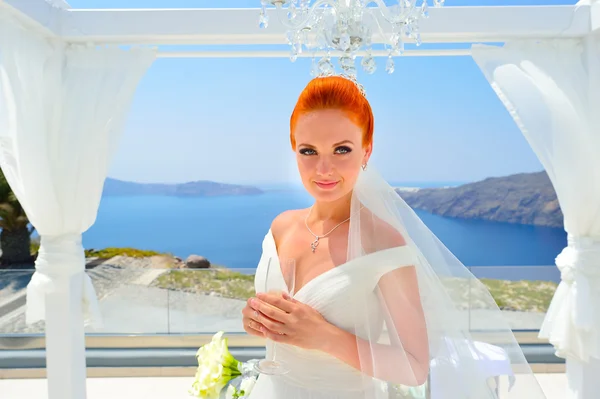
315 243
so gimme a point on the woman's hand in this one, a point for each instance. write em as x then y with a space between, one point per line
250 321
284 319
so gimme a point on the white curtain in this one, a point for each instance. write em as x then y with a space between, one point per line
62 108
552 90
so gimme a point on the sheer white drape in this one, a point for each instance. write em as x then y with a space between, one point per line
552 91
62 109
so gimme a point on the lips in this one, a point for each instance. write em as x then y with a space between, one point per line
327 185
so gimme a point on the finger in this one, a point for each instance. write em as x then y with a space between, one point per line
254 326
267 311
273 326
270 311
248 312
254 333
287 305
277 337
287 297
251 331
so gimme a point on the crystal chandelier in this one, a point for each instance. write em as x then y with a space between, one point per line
341 26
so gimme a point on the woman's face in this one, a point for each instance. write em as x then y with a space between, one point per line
329 153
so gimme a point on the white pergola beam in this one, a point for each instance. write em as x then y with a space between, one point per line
286 54
595 17
38 15
240 26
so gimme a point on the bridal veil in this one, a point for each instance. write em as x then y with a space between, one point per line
438 332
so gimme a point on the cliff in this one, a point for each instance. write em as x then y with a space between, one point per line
526 198
113 187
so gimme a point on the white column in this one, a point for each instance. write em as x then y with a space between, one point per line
583 377
552 90
62 109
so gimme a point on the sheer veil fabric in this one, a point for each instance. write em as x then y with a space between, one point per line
460 315
425 327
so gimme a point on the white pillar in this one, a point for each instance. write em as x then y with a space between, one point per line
552 90
583 377
65 340
62 109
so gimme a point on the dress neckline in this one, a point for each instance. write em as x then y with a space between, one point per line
333 270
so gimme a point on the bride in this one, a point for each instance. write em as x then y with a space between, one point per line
380 308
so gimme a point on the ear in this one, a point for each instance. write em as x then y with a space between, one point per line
367 153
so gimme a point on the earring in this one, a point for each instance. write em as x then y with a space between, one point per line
364 167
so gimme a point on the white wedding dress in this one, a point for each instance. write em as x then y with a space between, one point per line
375 296
314 374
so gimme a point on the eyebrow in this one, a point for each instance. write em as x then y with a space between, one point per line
335 145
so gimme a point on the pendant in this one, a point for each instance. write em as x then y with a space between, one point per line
314 244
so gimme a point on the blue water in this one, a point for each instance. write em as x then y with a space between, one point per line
229 230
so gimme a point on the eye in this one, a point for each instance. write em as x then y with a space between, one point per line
307 151
343 150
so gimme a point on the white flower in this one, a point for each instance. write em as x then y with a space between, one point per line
216 367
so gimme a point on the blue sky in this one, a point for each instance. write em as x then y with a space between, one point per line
437 119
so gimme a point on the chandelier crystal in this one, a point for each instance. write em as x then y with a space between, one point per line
341 26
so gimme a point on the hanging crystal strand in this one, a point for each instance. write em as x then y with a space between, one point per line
314 68
401 47
395 38
400 43
343 37
263 19
413 32
291 37
296 45
389 65
408 29
347 64
425 9
304 5
293 54
344 43
340 26
325 65
368 62
417 36
292 10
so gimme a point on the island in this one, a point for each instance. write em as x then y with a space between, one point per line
201 188
525 198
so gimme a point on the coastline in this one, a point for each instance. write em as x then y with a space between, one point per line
159 294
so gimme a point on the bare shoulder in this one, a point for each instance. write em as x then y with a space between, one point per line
283 222
381 235
394 238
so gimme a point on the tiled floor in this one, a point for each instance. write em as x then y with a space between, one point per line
176 388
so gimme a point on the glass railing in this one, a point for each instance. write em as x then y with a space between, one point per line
523 293
136 300
13 286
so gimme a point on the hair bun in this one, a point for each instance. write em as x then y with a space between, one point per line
351 78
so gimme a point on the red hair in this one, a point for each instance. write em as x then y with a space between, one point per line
334 92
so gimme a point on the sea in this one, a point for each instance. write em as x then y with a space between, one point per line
229 231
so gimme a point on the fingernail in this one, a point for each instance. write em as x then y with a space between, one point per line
253 302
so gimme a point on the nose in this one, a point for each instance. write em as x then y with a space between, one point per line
324 166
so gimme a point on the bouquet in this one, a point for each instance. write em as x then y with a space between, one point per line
217 369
